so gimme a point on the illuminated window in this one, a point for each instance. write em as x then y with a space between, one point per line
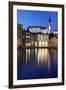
27 44
27 36
35 43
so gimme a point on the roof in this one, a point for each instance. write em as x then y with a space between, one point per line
37 27
19 25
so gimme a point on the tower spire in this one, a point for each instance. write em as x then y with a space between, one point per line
49 20
49 25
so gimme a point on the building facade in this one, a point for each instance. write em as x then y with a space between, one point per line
19 35
37 36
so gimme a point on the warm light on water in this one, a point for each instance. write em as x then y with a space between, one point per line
27 55
43 56
34 63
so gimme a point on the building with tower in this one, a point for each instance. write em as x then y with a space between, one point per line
38 36
40 29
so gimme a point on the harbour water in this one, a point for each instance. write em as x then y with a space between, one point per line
37 63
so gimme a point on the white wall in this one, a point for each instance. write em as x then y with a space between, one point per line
4 44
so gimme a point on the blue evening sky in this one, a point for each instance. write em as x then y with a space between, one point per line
37 18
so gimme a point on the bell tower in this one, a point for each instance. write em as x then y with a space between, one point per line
49 25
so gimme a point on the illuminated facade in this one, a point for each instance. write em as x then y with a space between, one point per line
37 36
19 35
36 39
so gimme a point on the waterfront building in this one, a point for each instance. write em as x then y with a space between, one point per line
37 36
19 35
55 32
28 38
38 29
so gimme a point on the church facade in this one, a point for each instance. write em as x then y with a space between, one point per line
38 36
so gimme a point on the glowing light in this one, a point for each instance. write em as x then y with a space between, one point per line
45 43
40 44
46 54
36 53
27 44
43 56
39 56
27 55
35 43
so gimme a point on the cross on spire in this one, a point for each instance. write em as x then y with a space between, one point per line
49 20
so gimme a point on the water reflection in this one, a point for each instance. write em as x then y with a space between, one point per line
27 55
43 56
37 63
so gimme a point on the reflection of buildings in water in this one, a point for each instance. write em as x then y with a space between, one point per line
27 55
38 56
43 56
19 56
54 54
